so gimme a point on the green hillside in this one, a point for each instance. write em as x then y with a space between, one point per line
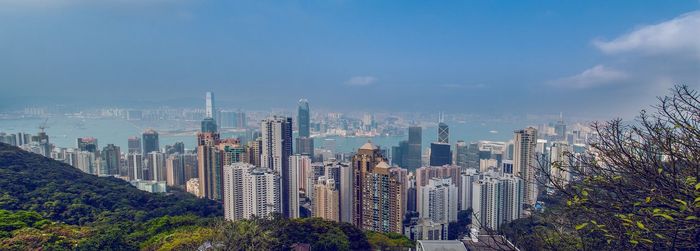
48 205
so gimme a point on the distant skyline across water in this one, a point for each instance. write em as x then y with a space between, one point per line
63 132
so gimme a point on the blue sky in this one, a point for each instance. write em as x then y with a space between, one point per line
592 58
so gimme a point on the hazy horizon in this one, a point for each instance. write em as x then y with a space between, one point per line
579 58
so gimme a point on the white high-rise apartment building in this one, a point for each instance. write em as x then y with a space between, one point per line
497 199
261 192
233 189
276 149
438 200
135 166
560 164
469 176
156 164
250 191
298 164
525 162
346 196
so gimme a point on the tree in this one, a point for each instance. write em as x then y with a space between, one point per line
461 226
637 188
244 235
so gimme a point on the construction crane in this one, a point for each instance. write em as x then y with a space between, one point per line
43 125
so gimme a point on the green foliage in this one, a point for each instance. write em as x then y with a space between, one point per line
385 241
25 230
461 226
637 188
37 190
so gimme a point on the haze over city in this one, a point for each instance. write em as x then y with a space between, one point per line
581 58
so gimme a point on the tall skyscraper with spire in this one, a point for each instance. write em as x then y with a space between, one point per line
440 152
276 149
443 130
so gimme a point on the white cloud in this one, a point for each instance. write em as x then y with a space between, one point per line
678 36
361 80
668 51
597 76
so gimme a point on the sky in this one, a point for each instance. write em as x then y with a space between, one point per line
588 58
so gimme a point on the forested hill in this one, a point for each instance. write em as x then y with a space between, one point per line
81 210
63 193
48 205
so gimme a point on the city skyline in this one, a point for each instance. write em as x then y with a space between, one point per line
349 125
446 56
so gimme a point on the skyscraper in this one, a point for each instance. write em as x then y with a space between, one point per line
415 138
179 147
525 162
346 192
210 109
134 166
134 144
438 200
468 177
190 162
399 154
315 171
156 164
424 174
276 149
378 191
560 164
326 199
261 193
440 154
253 151
497 200
460 154
88 144
303 118
249 191
233 189
209 125
150 141
297 165
210 167
304 142
111 154
560 128
443 133
86 162
175 170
